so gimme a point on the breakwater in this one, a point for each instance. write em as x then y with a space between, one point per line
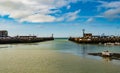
24 39
98 40
89 38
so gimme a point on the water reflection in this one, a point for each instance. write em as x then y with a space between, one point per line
106 59
83 49
5 46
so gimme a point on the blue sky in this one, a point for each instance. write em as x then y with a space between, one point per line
63 18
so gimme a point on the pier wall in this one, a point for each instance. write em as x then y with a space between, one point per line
9 40
95 40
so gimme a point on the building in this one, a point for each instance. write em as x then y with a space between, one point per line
87 35
3 33
96 36
26 37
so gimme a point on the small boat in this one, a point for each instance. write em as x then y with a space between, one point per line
106 54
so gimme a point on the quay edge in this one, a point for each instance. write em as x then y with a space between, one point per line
10 40
95 40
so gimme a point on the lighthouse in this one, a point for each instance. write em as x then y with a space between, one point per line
83 32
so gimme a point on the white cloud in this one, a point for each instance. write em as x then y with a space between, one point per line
89 20
69 16
68 7
112 9
72 15
39 18
112 13
114 4
32 10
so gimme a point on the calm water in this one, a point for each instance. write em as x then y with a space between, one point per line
58 56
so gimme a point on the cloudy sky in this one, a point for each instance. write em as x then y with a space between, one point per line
63 18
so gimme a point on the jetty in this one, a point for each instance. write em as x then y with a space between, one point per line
5 39
89 38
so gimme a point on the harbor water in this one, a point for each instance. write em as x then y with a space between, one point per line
58 56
